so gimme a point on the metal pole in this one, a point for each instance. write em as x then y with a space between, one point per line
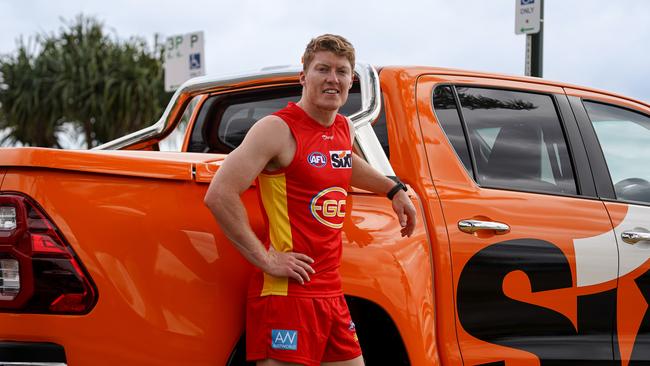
537 46
529 56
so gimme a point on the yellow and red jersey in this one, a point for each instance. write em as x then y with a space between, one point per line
304 204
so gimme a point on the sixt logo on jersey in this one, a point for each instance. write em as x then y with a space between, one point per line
341 159
317 159
284 339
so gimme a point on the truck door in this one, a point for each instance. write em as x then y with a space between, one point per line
617 132
533 256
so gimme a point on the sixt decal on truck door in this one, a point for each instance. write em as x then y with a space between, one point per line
541 288
521 320
542 274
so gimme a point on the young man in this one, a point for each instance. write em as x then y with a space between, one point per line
302 157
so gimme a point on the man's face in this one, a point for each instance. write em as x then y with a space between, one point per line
326 81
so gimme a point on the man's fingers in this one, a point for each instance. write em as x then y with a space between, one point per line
303 257
410 227
291 265
402 218
306 266
293 274
304 261
406 216
301 272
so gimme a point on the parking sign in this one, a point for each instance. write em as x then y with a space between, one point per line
527 16
184 59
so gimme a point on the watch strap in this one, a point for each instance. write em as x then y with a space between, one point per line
396 188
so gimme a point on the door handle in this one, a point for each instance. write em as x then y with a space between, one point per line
472 226
633 237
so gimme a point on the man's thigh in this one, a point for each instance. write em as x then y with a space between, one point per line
272 362
353 362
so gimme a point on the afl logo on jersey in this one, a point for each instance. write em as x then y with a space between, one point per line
317 159
341 159
328 207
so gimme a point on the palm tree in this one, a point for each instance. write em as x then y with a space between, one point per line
106 86
26 104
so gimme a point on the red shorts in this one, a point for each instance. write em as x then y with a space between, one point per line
300 330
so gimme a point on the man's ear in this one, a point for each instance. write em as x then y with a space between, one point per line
302 78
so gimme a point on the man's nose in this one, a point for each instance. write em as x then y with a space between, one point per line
332 77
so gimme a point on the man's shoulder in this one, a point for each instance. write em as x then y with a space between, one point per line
269 130
273 124
291 109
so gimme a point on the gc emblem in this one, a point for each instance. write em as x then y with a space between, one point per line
328 207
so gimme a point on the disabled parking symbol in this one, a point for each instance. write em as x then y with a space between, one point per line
195 61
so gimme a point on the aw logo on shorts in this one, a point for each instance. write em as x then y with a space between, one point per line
328 207
284 339
341 159
317 159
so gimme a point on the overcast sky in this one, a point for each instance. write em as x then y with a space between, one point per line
597 43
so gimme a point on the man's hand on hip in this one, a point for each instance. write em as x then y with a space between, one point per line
289 264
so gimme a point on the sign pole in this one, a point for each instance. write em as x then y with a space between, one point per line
529 55
529 20
537 45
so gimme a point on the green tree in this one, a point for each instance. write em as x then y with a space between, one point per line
27 107
82 75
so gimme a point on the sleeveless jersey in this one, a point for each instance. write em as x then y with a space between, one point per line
304 205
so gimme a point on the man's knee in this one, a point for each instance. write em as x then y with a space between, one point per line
353 362
272 362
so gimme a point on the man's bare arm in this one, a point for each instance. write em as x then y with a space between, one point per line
368 178
262 146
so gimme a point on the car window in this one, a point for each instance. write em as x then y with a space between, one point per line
516 139
379 126
225 119
446 111
238 118
624 138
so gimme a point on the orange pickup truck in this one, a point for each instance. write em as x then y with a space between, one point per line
532 245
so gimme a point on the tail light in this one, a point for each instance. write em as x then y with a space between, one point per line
39 271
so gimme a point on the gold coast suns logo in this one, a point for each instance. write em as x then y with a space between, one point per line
328 207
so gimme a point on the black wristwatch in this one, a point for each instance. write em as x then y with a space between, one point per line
396 188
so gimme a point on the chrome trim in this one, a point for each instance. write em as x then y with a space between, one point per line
183 94
633 237
367 140
370 101
128 140
472 226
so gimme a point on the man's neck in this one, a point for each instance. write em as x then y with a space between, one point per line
324 118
